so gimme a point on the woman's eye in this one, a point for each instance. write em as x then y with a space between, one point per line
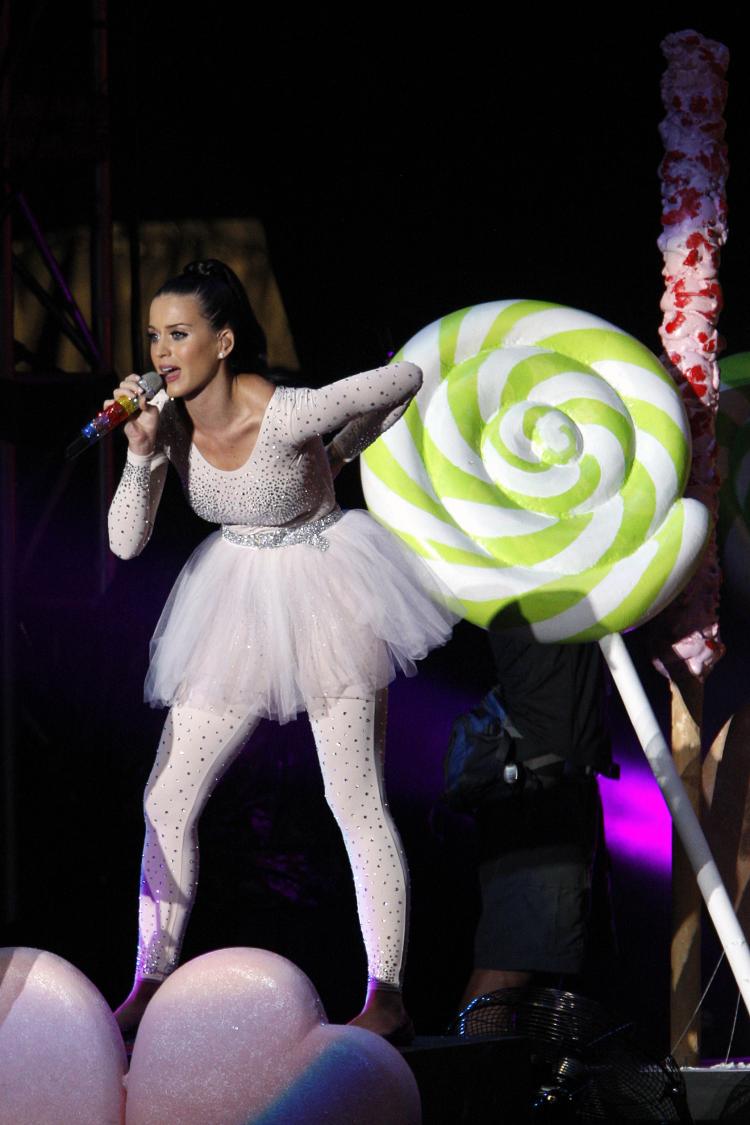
152 337
177 335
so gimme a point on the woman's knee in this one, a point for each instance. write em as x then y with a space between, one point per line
165 804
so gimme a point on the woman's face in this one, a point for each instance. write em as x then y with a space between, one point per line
185 349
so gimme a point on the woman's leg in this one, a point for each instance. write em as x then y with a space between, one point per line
350 738
196 748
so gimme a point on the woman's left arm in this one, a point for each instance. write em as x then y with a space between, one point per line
365 405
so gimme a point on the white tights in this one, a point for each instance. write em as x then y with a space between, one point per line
196 748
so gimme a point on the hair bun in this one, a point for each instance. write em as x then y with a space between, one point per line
206 267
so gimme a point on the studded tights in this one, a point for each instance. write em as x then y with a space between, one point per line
196 748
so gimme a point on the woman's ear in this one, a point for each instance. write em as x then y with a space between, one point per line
226 342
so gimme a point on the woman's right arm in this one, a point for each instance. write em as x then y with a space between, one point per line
133 509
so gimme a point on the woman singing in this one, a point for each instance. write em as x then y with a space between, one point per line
292 605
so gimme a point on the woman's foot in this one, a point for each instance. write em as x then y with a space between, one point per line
384 1014
130 1012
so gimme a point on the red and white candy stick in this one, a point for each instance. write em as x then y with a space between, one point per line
693 174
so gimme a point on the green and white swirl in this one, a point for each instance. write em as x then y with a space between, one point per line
733 440
539 471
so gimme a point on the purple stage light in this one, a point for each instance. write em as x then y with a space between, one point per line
637 823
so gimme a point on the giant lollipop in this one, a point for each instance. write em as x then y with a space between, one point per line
539 474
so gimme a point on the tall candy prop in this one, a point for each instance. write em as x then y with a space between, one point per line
693 174
539 474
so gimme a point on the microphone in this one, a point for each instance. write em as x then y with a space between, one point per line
114 415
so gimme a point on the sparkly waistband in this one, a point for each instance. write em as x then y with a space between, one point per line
310 533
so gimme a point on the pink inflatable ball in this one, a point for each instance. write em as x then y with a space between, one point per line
347 1075
238 1034
215 1040
62 1058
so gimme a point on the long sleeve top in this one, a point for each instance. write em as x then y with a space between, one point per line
286 480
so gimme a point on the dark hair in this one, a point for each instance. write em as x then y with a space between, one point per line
224 303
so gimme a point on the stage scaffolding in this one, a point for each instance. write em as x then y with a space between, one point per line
93 344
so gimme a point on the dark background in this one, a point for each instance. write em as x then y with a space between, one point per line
401 171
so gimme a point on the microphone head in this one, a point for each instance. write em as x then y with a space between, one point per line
151 383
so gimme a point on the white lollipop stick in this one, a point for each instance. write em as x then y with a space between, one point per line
683 815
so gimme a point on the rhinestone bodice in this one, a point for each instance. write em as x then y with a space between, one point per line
280 485
286 480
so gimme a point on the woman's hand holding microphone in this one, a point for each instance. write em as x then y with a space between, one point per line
140 430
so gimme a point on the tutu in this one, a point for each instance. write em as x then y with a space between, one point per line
267 630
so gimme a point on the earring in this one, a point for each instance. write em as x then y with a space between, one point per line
221 355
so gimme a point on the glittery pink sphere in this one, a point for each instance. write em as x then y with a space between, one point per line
62 1058
239 1035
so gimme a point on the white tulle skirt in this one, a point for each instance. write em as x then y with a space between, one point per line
269 630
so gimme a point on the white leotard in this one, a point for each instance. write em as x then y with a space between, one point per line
291 606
